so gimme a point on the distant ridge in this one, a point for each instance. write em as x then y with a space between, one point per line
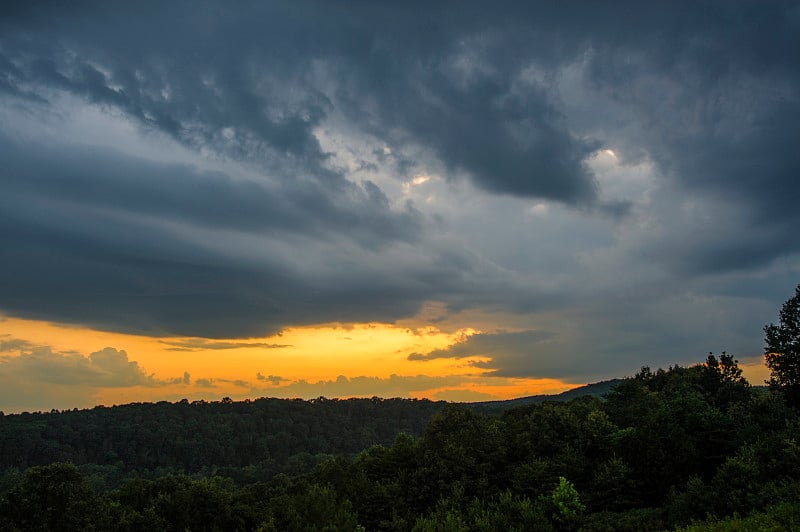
596 389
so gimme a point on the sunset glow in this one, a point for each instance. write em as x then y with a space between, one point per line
300 362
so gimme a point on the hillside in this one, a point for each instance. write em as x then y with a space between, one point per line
189 437
660 450
597 389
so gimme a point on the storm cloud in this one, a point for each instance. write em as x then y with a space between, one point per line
216 170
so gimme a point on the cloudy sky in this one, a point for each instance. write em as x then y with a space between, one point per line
435 199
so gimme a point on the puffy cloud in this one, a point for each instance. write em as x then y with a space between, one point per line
40 378
105 368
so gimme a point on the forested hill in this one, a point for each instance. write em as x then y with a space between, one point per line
194 436
200 435
598 389
659 450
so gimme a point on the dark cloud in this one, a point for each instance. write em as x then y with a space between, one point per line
508 354
102 239
213 383
272 379
88 179
199 344
266 226
245 83
119 243
714 94
504 132
477 87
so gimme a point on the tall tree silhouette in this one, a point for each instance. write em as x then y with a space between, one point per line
782 352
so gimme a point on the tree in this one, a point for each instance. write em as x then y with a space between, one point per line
782 352
53 497
567 503
722 380
726 369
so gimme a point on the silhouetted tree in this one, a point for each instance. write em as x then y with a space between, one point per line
782 352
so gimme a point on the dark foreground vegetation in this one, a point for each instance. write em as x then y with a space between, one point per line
694 448
663 448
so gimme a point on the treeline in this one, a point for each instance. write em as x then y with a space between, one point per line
664 449
200 436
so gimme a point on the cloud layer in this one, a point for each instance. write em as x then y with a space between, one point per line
609 176
36 377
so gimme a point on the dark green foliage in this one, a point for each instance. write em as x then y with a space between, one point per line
784 516
262 435
635 520
315 508
782 352
663 449
52 497
597 389
459 448
504 512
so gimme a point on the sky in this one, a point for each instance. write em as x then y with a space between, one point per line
449 200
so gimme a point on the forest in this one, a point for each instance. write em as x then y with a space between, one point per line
682 448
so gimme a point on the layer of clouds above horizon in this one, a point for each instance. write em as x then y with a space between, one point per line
37 377
619 183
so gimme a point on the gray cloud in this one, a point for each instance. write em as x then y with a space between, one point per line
213 382
199 344
127 264
163 268
259 88
509 354
362 386
40 378
105 368
76 177
15 344
477 87
272 379
285 131
714 96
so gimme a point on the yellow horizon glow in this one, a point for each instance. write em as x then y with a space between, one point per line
314 354
307 359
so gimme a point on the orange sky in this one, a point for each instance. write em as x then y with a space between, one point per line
334 360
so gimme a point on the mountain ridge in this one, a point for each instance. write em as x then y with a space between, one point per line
594 389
